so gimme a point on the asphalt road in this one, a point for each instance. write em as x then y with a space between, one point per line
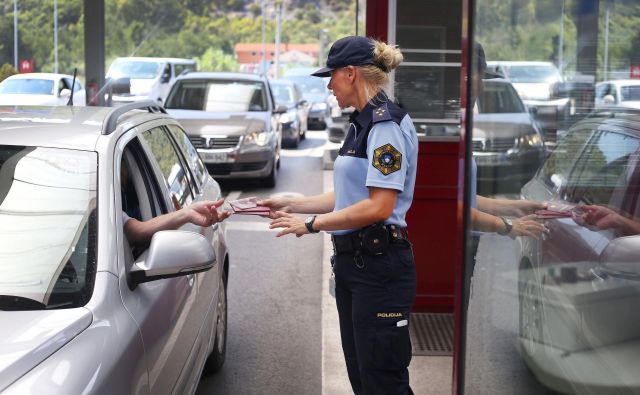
274 323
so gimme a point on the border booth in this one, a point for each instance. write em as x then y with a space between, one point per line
427 85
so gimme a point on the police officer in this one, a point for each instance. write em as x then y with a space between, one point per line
374 178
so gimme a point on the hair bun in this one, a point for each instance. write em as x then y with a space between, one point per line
387 55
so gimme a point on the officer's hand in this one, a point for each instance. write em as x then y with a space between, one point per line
279 204
290 225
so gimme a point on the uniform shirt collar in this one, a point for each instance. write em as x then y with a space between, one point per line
363 119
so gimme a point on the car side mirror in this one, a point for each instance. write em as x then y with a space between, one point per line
65 93
621 255
165 78
609 99
302 103
280 109
173 253
533 111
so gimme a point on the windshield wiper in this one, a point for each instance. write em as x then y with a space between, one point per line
16 303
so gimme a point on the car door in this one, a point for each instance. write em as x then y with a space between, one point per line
164 309
204 189
598 177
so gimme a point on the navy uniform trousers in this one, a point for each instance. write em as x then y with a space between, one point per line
374 295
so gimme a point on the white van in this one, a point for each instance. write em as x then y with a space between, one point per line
150 78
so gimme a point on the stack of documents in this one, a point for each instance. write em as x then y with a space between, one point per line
249 206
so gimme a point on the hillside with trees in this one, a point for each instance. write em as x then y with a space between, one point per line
206 30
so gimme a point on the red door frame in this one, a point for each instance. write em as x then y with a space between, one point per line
449 203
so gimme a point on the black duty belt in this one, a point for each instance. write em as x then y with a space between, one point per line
372 240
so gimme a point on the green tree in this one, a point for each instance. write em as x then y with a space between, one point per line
7 70
214 59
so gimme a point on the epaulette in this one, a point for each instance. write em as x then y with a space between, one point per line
381 113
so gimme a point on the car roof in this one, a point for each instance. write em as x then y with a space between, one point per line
298 71
518 63
283 82
46 76
620 82
627 118
151 59
61 126
221 75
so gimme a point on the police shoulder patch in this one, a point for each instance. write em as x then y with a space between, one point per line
387 159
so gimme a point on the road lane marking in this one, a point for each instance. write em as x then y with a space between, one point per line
250 226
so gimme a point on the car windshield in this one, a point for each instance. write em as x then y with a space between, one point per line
134 69
309 84
630 93
27 86
283 94
532 73
499 98
218 96
48 222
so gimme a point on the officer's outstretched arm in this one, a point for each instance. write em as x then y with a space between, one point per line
377 208
316 204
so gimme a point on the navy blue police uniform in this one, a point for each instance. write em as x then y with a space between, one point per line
374 268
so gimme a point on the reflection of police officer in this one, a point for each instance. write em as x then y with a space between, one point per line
374 177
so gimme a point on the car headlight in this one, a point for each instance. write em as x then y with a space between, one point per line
319 106
258 138
530 140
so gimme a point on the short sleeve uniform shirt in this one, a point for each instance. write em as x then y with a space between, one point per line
380 150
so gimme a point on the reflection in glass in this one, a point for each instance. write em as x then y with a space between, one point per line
553 314
47 227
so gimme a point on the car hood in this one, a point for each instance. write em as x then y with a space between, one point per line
29 337
315 97
204 123
630 104
533 90
140 87
492 126
28 100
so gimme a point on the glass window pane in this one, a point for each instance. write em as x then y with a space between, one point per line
174 174
556 140
190 153
47 227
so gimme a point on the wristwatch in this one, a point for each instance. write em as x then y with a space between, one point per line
508 225
309 223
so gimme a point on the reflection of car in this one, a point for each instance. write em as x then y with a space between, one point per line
619 93
293 123
323 104
81 310
231 119
41 89
507 144
536 83
578 285
149 78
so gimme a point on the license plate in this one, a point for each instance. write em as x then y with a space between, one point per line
216 157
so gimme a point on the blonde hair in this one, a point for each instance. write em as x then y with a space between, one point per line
375 78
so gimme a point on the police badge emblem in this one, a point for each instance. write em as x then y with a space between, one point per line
387 159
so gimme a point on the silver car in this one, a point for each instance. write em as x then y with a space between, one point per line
82 311
579 284
507 144
232 120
